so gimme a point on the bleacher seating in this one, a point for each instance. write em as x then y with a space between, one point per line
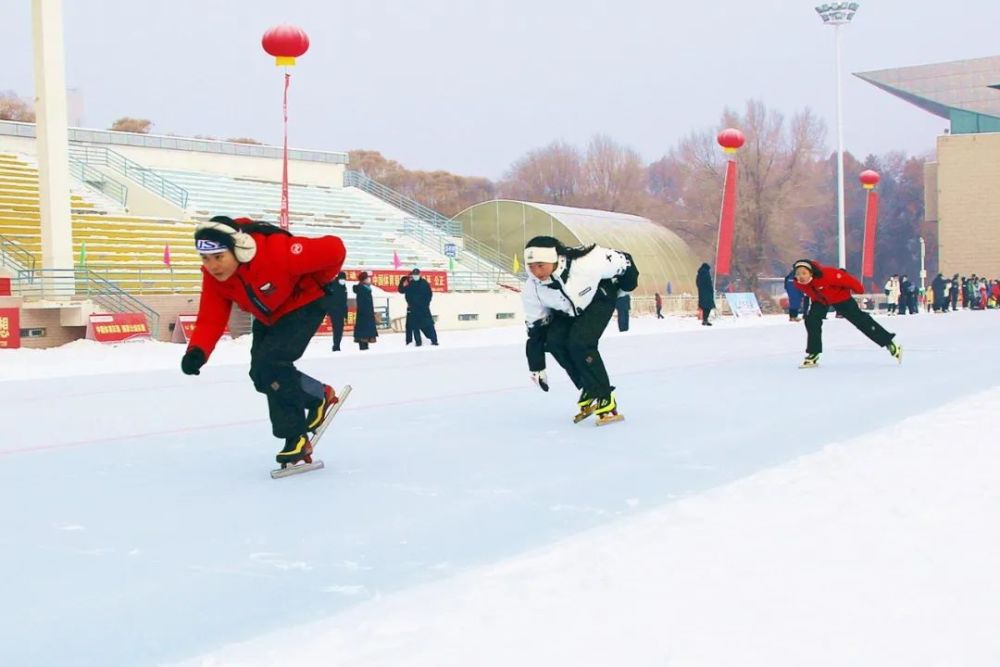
129 250
126 249
371 229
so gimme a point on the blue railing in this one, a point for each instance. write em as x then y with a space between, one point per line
131 169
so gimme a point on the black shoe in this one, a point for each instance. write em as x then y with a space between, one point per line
585 400
434 342
297 448
336 348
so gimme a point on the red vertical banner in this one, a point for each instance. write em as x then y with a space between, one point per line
869 179
871 222
727 222
283 221
730 140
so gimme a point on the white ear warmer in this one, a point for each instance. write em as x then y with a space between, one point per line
532 255
244 247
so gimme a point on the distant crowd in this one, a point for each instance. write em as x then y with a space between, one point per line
943 294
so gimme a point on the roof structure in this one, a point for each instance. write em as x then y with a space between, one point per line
966 92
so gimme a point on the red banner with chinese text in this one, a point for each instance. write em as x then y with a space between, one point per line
387 280
117 327
184 328
10 328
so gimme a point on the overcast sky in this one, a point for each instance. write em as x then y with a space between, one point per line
471 85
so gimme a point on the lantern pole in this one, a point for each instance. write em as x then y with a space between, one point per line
285 43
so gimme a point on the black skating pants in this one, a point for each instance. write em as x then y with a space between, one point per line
273 352
572 341
849 309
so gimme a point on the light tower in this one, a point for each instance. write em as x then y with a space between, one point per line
838 14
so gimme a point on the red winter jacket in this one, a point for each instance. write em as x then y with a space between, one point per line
286 273
830 286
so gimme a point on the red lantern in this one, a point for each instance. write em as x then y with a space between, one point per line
869 179
285 43
731 140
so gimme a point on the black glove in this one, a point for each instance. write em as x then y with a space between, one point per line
192 361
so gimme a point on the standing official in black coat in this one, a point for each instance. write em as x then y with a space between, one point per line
706 292
336 307
365 330
418 302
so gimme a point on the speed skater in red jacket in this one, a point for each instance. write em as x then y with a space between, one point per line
281 280
834 288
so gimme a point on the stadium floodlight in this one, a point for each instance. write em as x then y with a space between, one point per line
838 14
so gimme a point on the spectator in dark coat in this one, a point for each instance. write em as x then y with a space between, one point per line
365 331
706 293
418 301
336 307
797 301
953 291
404 285
623 305
906 290
940 295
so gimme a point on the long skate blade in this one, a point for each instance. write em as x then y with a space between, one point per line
581 416
808 366
611 419
296 469
328 417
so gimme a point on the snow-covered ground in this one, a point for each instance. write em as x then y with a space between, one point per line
746 512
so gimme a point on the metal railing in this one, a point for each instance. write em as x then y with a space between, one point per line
14 256
436 228
98 181
131 169
359 180
67 284
473 254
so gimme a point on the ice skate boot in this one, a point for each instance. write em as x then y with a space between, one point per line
811 361
607 410
318 413
297 449
586 405
895 350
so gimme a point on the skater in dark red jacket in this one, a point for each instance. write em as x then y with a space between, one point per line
281 280
833 288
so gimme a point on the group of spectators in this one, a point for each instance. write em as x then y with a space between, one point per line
943 294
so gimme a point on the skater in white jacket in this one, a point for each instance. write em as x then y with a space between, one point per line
569 298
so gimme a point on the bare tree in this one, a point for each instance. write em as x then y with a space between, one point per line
779 184
137 125
14 108
549 175
614 175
